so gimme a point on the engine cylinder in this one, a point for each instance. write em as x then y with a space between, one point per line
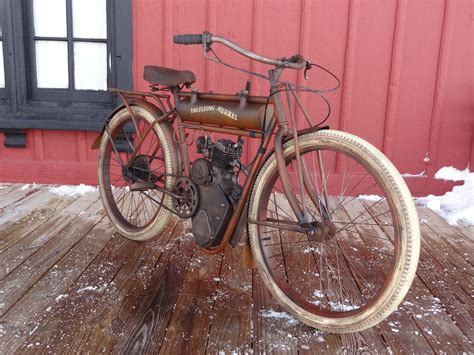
225 152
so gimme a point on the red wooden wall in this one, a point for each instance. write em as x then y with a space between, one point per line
406 67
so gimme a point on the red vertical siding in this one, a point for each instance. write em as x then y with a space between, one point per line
406 68
452 123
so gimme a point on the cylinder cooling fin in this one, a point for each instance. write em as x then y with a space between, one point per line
225 152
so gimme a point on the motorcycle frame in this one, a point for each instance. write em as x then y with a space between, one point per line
285 131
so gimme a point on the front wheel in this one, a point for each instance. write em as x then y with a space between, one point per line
358 266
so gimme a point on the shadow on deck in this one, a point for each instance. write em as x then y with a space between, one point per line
69 283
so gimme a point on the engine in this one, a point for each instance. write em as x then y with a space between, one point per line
218 185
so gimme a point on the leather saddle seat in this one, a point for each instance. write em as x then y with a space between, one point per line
167 76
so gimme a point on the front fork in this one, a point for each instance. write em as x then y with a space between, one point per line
317 229
303 175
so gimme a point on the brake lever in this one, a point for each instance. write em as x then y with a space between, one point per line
309 65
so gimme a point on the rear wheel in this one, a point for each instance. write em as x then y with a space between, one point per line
127 187
358 263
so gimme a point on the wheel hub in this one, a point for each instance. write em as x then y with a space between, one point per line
139 170
321 231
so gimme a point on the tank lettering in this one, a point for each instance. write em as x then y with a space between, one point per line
219 109
202 109
227 113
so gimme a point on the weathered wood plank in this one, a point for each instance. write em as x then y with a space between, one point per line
42 227
278 332
467 230
450 235
366 268
459 306
12 214
231 316
36 304
19 222
107 323
453 265
145 329
271 324
86 291
16 283
187 331
434 323
409 338
5 188
99 288
59 327
379 238
16 195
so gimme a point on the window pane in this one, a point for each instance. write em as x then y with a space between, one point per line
2 71
51 64
50 18
90 66
89 18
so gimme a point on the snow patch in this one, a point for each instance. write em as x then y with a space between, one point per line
316 249
318 293
369 197
449 173
72 191
29 186
419 175
58 298
456 205
87 288
279 315
342 307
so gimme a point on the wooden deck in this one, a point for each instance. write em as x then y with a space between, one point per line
68 283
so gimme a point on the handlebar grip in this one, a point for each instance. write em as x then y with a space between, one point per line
188 39
297 59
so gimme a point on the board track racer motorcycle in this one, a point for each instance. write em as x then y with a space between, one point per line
331 224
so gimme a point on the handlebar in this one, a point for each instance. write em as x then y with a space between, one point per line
294 62
188 39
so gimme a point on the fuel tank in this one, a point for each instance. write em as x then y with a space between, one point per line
239 111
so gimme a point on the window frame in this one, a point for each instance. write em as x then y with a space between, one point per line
80 110
3 91
69 94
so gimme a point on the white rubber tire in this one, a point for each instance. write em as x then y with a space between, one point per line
163 216
409 245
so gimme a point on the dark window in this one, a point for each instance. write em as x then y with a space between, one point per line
60 57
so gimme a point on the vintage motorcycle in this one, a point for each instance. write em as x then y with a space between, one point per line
330 222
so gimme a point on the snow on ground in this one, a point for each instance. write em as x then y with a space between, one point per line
279 315
73 191
419 175
369 197
30 186
284 334
456 205
64 190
